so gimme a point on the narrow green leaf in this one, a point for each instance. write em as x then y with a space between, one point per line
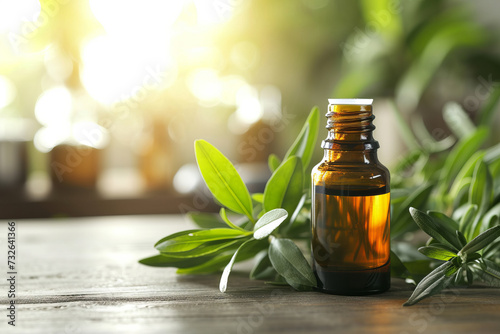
492 154
437 253
465 172
432 228
273 162
220 261
431 284
489 217
461 239
229 267
462 193
467 220
450 225
469 275
206 220
222 179
481 190
458 120
401 219
304 144
398 269
459 276
481 240
459 155
290 263
284 188
223 215
472 257
187 240
298 208
489 272
207 248
263 268
488 110
268 223
407 161
167 261
213 265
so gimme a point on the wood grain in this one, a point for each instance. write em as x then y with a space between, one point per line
82 276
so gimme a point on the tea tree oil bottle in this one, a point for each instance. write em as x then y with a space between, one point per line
350 205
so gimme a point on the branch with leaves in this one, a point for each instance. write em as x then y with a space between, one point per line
463 182
265 224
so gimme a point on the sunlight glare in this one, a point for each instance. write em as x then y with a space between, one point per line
54 106
249 108
14 14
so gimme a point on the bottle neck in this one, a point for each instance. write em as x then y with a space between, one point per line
350 134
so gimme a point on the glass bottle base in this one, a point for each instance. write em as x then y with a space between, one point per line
352 283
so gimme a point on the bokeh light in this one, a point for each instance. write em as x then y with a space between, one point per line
7 91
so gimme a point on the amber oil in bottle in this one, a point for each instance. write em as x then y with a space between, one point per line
351 205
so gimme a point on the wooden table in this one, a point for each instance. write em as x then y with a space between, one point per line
82 276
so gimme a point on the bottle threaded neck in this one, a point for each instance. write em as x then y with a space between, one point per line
350 126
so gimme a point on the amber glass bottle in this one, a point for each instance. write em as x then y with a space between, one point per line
350 205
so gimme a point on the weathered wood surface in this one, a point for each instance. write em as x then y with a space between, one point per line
82 276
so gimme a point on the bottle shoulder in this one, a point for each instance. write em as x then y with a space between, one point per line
359 176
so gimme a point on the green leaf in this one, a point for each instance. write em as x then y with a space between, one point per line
263 268
213 265
447 223
401 220
467 219
229 267
290 263
398 269
220 261
437 253
431 284
298 208
273 161
481 241
258 197
459 155
222 179
489 217
190 239
458 120
223 215
208 248
461 238
489 273
488 111
167 261
465 172
268 223
304 144
432 228
284 188
440 218
206 220
481 190
492 154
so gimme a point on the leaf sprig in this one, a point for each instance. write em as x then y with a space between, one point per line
461 257
265 224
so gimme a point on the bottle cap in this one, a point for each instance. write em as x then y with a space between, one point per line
359 102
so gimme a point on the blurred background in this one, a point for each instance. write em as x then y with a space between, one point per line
101 100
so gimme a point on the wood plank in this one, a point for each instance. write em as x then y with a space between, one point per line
82 276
